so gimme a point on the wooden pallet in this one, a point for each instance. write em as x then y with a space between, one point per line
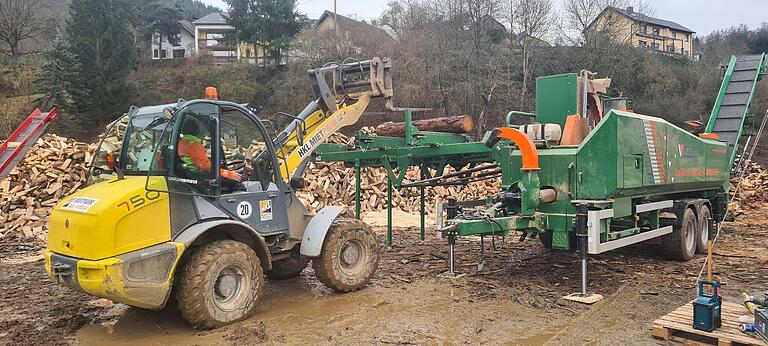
677 326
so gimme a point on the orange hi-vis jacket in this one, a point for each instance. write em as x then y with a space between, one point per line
192 152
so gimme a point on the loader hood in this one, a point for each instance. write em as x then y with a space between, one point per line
110 218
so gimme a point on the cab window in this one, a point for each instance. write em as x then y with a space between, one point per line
245 148
185 154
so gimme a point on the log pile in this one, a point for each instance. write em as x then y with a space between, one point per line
334 184
752 191
53 168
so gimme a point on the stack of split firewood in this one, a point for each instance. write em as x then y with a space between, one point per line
334 184
52 169
752 191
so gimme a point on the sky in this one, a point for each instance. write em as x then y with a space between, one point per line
701 16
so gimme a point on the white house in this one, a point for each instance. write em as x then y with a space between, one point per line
205 36
183 47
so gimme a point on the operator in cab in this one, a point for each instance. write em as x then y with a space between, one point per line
192 153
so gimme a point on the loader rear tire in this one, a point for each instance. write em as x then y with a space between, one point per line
702 232
680 245
349 257
288 267
221 283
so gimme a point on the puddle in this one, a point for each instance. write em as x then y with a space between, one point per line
303 311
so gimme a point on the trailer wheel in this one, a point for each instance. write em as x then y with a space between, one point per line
681 243
221 283
702 232
349 257
288 267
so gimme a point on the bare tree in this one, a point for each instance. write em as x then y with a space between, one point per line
21 24
579 15
530 21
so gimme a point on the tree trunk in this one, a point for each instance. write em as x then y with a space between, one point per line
454 124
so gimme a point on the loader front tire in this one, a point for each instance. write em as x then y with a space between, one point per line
288 267
222 282
680 245
349 257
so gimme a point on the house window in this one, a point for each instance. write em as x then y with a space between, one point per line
656 32
643 29
155 53
163 54
687 36
642 44
655 46
212 40
178 53
671 48
674 35
176 39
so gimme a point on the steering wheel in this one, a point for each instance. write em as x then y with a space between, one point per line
234 165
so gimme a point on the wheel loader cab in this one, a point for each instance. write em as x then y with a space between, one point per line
208 142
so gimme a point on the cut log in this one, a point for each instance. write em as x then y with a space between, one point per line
454 124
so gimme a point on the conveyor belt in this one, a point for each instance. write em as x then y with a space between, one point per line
732 105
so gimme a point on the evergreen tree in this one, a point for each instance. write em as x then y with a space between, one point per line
100 34
58 69
271 23
194 9
159 16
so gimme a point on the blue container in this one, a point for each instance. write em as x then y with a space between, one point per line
707 307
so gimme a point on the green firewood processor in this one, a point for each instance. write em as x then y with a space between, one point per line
588 173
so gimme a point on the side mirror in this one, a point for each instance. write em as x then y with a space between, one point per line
168 112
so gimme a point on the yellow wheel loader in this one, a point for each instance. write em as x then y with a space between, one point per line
195 201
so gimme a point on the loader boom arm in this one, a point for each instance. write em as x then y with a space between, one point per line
337 105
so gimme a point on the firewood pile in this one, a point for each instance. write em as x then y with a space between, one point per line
55 167
752 192
334 184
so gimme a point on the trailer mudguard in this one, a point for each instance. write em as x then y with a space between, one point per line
317 228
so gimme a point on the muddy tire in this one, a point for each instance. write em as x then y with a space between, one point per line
681 243
221 283
349 257
288 267
702 232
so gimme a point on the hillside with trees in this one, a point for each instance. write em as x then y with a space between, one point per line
479 57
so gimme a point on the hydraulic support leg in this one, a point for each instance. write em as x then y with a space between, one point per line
581 235
451 234
389 211
357 189
422 212
582 210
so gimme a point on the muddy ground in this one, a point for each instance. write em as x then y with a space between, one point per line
514 299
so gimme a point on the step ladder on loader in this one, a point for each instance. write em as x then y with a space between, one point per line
16 146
